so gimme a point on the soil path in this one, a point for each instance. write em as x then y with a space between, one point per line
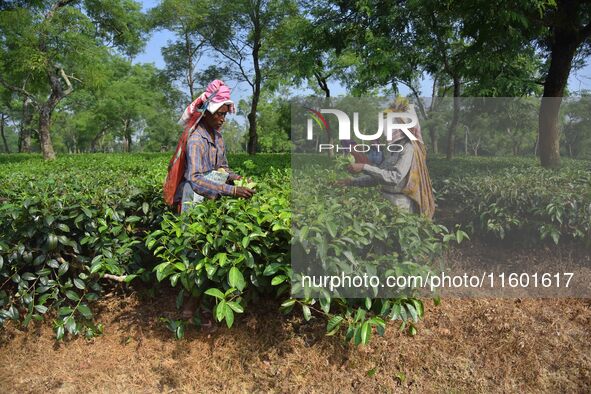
477 345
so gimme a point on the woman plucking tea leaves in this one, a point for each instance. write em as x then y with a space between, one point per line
201 159
403 174
199 169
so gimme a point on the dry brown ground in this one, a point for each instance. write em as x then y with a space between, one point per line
479 345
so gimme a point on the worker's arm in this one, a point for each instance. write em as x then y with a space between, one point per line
394 168
198 167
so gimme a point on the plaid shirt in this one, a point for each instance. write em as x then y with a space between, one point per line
205 155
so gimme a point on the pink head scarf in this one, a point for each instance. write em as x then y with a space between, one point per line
222 97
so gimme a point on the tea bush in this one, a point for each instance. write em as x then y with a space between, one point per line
229 252
224 248
68 224
511 199
355 231
65 225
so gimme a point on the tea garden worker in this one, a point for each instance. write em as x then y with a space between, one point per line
206 151
403 176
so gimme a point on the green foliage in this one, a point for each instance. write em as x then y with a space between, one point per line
274 124
234 137
130 99
49 49
356 232
515 199
177 327
222 248
577 134
230 252
184 19
64 225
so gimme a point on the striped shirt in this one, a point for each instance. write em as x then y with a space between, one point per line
205 155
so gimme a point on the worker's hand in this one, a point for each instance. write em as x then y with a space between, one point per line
247 180
243 192
238 177
343 182
355 168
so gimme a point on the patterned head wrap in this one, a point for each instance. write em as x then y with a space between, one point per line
401 104
219 93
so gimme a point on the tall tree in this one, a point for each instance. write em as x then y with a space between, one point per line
184 19
561 31
398 42
5 104
308 51
438 30
3 118
275 123
241 41
134 103
568 28
48 46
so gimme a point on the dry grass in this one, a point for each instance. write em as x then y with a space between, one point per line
482 345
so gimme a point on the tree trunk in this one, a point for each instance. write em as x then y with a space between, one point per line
74 144
55 74
451 140
96 139
566 38
323 83
44 136
433 138
251 148
424 111
46 110
2 119
24 143
432 130
252 116
560 63
190 67
127 135
466 141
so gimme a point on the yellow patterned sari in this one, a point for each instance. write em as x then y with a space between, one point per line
418 187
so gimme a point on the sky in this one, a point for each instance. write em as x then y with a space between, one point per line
579 80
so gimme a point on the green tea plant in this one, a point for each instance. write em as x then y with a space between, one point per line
222 248
67 225
355 231
518 202
62 231
230 252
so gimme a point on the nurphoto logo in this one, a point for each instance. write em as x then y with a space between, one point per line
388 123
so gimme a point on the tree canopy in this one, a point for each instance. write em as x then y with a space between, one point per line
69 82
